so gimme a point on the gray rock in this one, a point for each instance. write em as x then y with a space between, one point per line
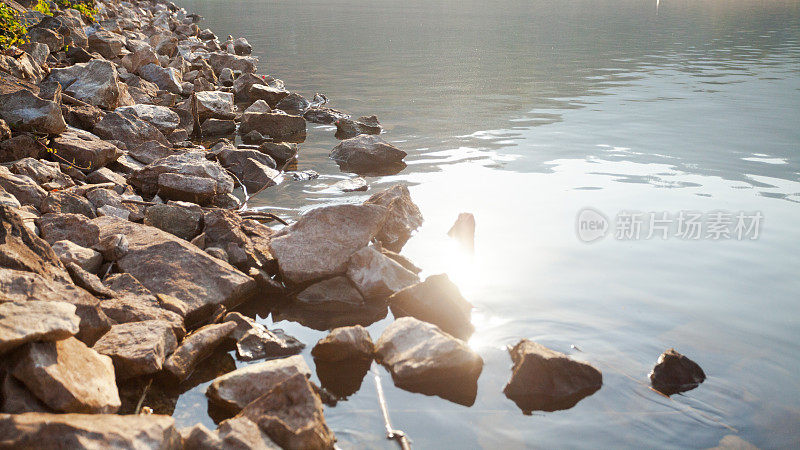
293 103
149 179
68 376
344 343
218 127
20 146
23 322
347 128
137 348
8 199
243 64
50 38
76 228
22 187
69 252
129 129
88 151
403 218
259 106
674 373
366 152
189 188
377 276
214 104
182 220
66 202
25 111
46 173
109 210
242 85
161 117
281 152
113 246
106 175
253 168
95 82
196 347
546 380
271 95
139 58
334 295
352 185
319 244
422 358
108 44
242 47
166 78
323 115
151 151
277 126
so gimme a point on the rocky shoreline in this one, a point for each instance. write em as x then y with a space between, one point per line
124 249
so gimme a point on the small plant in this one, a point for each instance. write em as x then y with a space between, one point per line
43 7
12 31
85 7
72 163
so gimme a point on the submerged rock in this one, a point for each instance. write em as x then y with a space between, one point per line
22 322
365 153
675 373
196 347
422 358
546 380
403 218
352 185
438 301
345 343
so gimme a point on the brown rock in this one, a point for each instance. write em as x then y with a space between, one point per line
25 111
86 150
402 219
76 228
344 343
280 127
438 301
22 322
196 347
674 373
377 276
22 187
137 348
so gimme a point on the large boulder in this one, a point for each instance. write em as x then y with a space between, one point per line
436 300
95 82
293 103
366 153
22 322
376 275
271 95
546 380
422 358
674 373
137 348
161 117
291 414
129 129
321 242
196 347
214 104
235 390
166 264
403 218
253 168
25 111
89 431
108 44
68 376
278 126
166 78
344 343
85 150
188 174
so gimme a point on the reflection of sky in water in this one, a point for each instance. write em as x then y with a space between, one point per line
523 113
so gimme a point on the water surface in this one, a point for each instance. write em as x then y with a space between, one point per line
525 112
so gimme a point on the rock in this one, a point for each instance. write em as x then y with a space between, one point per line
335 294
281 152
345 343
321 242
66 202
181 219
347 128
136 60
293 104
193 164
365 152
15 398
105 175
196 347
253 168
161 117
215 104
271 95
238 433
377 276
422 358
135 303
86 150
675 373
109 210
76 228
352 185
19 146
235 390
91 431
242 47
137 348
78 55
8 199
46 173
259 106
218 127
25 111
151 151
546 380
68 376
95 82
84 117
221 60
169 265
129 129
226 77
463 231
438 301
30 321
189 188
403 218
275 125
113 246
166 78
323 115
88 281
22 187
259 343
86 258
22 66
291 414
108 44
50 38
108 197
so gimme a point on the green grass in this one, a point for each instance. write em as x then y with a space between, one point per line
12 31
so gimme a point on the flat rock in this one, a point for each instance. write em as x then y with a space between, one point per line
161 117
68 376
214 104
546 380
86 258
278 126
377 276
129 129
46 173
235 390
89 431
352 185
191 164
75 228
88 151
137 348
322 241
438 301
674 373
345 343
281 152
22 322
25 111
422 358
196 347
403 218
291 414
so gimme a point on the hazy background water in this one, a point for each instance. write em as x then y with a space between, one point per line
524 112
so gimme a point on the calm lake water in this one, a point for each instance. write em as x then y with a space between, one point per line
525 112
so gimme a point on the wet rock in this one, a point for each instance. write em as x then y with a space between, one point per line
546 380
271 95
463 231
95 82
181 219
129 129
166 78
335 294
352 185
342 378
191 164
20 146
377 276
291 414
40 430
323 115
403 218
166 264
321 242
22 187
45 173
438 301
109 45
325 317
86 258
242 47
235 390
161 117
275 125
345 343
86 150
137 348
68 376
347 128
23 322
196 347
259 343
253 168
25 111
675 373
281 152
218 127
364 153
293 104
422 358
76 228
214 104
65 202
